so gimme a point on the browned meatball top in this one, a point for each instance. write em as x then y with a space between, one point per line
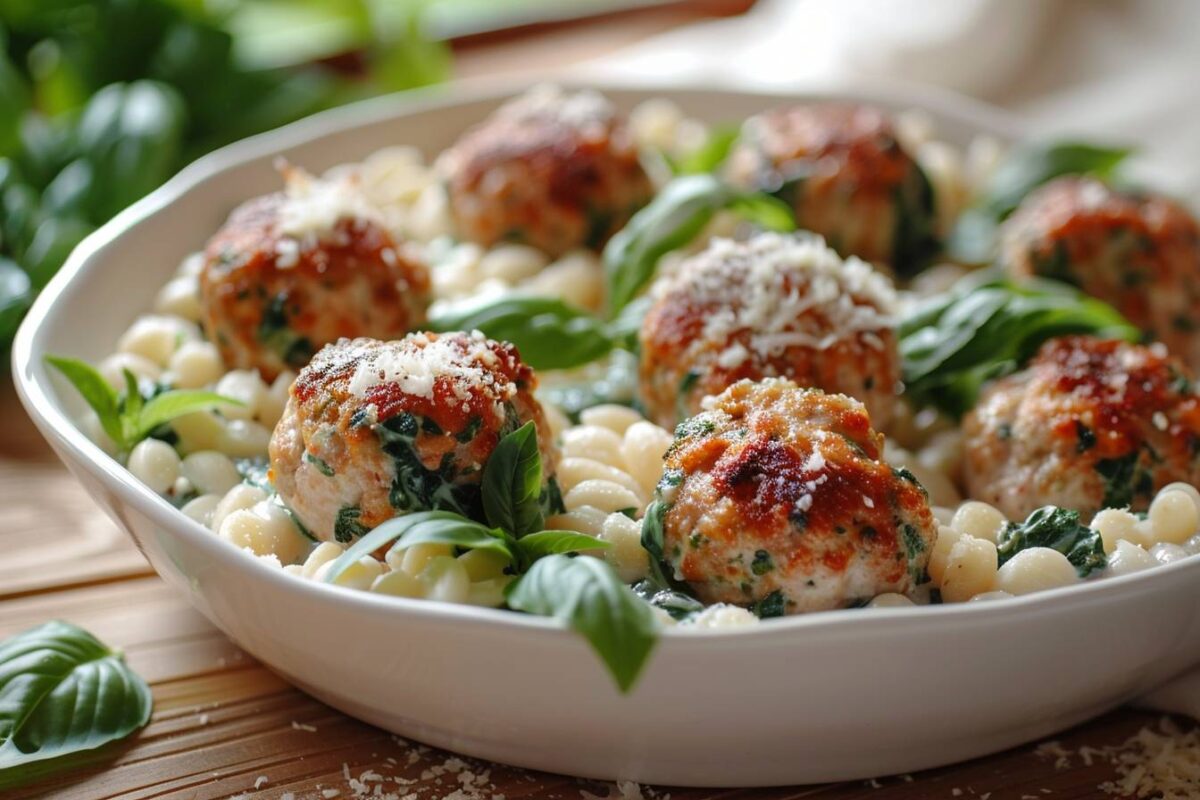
1139 252
289 274
845 173
554 170
780 497
1089 424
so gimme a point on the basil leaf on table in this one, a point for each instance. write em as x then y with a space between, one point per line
591 599
983 329
549 333
62 691
1059 529
512 483
974 239
673 218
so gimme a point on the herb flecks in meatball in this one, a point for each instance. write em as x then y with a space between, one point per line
1089 424
843 170
291 272
377 429
551 169
1139 252
778 498
774 306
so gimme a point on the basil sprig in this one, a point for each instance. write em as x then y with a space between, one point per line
709 156
61 692
590 598
1059 529
549 333
985 328
975 236
673 219
128 418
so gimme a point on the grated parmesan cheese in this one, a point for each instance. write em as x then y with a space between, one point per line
550 103
465 363
312 210
1162 763
785 291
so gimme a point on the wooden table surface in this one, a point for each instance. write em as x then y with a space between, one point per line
226 727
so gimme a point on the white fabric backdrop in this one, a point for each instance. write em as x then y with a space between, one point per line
1122 71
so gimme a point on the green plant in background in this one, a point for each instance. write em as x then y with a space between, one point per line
102 101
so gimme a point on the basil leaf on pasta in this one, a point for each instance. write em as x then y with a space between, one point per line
512 483
547 543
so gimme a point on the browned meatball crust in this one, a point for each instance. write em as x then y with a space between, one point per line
774 306
1139 252
842 169
377 429
287 274
553 170
1089 424
778 497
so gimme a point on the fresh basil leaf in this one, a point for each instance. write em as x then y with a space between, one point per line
61 692
53 240
15 297
951 345
549 333
1029 166
464 533
95 391
975 237
1059 529
176 403
444 527
547 543
588 596
512 483
769 213
133 400
671 220
709 156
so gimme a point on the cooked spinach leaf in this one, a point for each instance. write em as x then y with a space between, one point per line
1056 528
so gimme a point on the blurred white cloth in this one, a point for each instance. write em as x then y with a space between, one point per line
1120 71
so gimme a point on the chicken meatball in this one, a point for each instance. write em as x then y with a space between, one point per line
377 429
1138 252
554 170
773 306
844 172
291 272
1089 424
778 498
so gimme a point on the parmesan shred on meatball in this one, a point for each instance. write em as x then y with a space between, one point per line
774 306
843 170
1089 424
1139 252
373 430
551 169
778 498
291 272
